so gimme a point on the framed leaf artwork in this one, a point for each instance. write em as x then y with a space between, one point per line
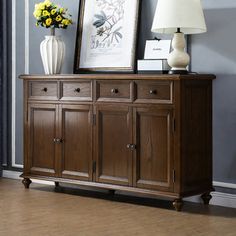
107 36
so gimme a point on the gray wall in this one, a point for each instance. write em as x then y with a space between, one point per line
215 52
212 52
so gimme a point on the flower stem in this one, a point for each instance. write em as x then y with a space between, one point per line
52 31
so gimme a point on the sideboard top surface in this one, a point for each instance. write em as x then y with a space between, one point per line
119 76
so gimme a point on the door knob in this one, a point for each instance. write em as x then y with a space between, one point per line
45 90
131 146
153 92
114 90
77 90
57 140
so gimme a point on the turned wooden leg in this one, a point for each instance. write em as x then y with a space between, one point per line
206 197
178 204
26 182
56 184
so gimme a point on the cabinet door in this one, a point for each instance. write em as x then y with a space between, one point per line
153 162
76 133
113 134
42 130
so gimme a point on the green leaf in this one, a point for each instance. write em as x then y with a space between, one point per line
118 29
119 34
100 17
99 23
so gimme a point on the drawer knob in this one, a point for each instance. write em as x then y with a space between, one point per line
45 90
114 90
57 140
132 147
153 92
77 90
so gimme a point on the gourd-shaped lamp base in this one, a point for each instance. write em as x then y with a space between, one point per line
178 59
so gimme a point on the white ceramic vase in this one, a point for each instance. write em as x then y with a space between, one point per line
52 50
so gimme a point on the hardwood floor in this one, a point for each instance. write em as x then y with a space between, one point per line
45 211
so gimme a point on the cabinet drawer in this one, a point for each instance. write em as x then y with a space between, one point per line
43 90
79 91
114 91
153 92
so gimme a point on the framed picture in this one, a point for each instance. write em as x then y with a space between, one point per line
107 36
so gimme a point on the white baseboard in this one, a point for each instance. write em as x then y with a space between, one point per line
223 199
224 185
16 175
218 198
11 174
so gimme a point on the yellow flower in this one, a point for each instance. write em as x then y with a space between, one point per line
47 3
58 18
66 22
37 13
61 10
46 13
53 11
48 21
39 6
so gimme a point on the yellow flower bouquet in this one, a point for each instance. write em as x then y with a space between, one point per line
50 15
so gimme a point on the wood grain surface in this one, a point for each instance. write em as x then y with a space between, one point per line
66 211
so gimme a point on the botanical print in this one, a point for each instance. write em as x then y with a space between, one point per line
108 35
107 25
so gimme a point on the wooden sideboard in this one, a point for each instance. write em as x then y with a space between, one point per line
149 134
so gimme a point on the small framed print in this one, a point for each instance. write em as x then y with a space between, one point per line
107 36
157 49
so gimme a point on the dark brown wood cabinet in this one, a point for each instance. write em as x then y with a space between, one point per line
113 134
60 140
42 129
149 134
76 147
153 157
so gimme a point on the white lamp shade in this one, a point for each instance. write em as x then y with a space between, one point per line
184 14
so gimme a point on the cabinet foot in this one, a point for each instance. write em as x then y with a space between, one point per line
206 197
57 184
26 182
178 204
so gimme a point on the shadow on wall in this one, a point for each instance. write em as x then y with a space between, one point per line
148 9
146 17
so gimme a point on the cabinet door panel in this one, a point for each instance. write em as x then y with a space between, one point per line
42 131
113 133
154 158
77 141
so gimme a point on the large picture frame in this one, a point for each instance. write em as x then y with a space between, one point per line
107 36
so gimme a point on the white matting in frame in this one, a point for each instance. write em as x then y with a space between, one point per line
108 35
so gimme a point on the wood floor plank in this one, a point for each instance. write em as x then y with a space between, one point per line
42 210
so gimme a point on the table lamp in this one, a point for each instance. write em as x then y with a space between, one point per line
179 17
